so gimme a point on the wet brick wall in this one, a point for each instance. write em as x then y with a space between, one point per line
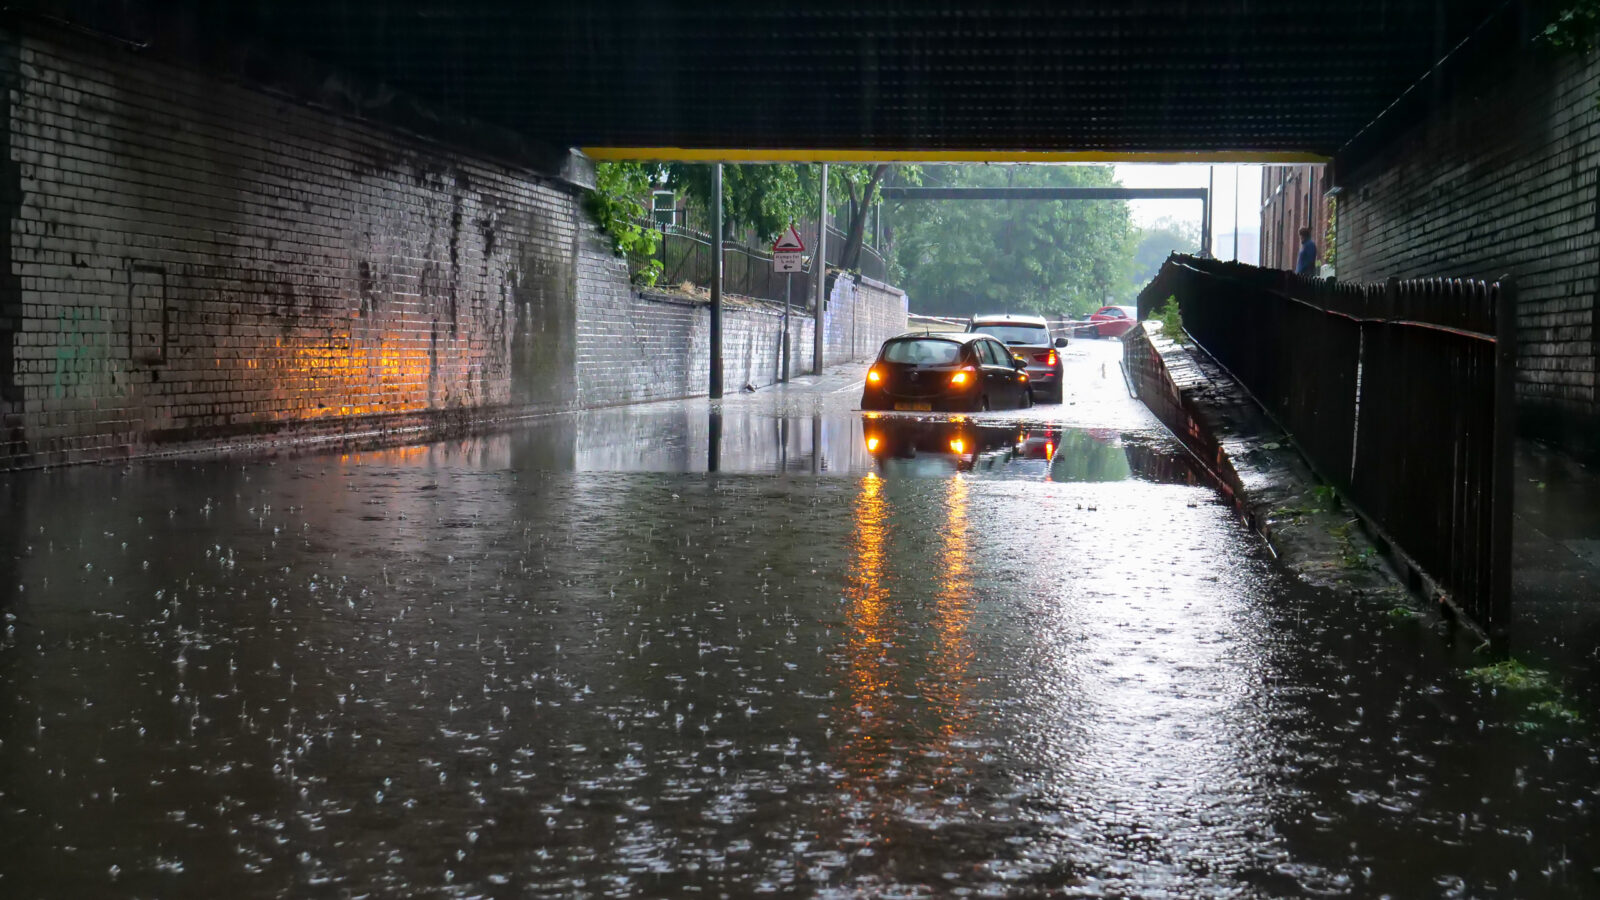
191 262
1502 182
194 260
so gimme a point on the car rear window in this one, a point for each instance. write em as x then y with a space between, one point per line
1017 334
922 352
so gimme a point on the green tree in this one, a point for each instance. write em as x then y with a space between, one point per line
959 257
1158 240
617 204
762 199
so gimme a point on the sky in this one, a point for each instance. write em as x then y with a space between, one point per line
1245 179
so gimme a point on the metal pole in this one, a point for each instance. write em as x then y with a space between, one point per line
1235 213
714 441
716 283
816 444
819 274
788 289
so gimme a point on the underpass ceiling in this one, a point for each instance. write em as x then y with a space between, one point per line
1097 77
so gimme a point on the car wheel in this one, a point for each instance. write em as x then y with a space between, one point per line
983 404
1027 399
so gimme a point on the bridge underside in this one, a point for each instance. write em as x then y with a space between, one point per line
1098 78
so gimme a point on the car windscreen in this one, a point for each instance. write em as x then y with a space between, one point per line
922 352
1036 335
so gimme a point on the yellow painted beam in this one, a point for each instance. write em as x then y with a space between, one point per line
728 155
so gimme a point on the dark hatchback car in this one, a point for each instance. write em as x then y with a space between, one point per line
946 372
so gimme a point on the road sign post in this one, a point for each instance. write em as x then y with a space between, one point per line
786 253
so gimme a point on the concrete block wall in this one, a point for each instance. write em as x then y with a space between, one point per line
861 314
635 346
1501 182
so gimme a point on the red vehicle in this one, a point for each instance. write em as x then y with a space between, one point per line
1107 322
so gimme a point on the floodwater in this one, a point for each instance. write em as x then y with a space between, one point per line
686 650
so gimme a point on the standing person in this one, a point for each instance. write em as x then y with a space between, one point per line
1307 263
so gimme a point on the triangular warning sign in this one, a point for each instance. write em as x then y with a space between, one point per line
789 242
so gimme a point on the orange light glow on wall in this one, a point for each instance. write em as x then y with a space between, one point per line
343 376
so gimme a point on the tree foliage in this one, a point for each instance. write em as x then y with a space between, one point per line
1574 26
763 199
618 205
960 257
1157 241
760 198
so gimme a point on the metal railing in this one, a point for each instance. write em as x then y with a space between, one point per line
1400 394
685 256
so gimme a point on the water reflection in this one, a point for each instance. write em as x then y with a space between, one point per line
470 669
910 447
953 611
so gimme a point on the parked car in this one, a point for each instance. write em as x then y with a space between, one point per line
1028 338
945 372
1108 322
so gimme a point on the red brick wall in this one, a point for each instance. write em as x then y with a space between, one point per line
1291 198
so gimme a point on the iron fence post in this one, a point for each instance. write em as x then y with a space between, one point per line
1503 460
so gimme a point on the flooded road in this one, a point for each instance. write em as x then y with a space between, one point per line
685 650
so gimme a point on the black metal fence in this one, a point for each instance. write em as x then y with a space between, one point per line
685 256
1400 394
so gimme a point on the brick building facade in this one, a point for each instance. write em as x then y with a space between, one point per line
1293 197
191 259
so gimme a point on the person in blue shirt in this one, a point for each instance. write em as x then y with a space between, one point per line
1307 263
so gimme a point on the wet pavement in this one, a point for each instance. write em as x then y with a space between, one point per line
699 649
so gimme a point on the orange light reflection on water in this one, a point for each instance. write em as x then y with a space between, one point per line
946 678
867 593
899 694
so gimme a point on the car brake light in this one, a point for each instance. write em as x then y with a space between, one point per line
961 377
1052 360
874 376
1048 357
1049 450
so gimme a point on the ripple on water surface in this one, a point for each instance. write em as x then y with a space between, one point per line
480 667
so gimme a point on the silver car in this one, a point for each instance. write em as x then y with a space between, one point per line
1028 339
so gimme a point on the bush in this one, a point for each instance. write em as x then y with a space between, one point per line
1171 320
